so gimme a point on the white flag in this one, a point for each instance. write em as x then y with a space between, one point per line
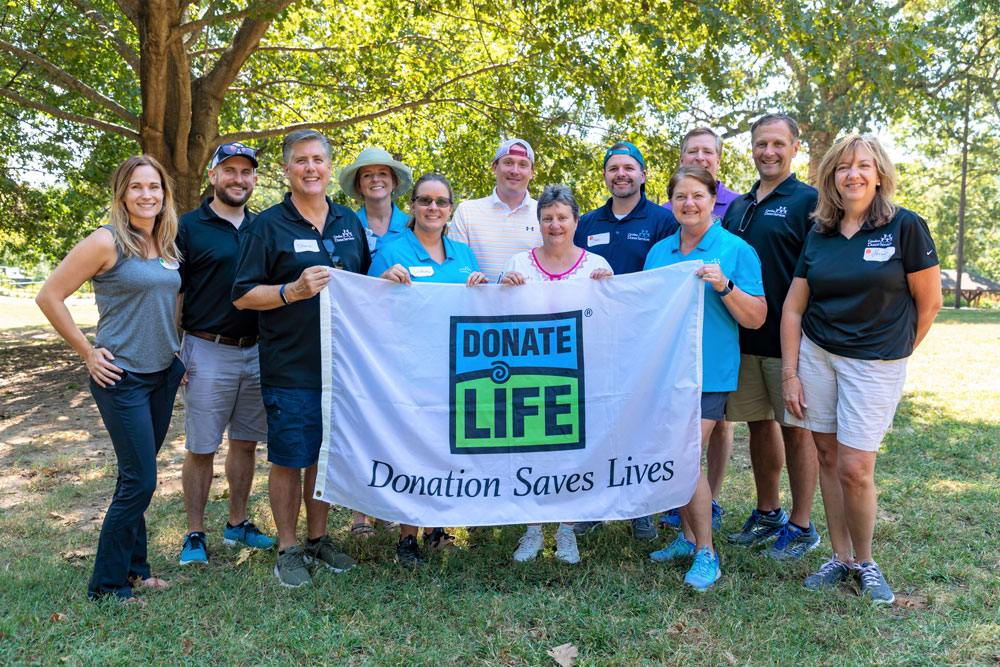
447 405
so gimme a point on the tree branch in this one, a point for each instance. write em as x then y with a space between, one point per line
196 32
208 18
130 8
63 77
72 117
128 54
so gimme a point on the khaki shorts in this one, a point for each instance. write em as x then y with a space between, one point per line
854 398
758 391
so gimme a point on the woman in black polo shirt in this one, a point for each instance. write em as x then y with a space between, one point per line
866 289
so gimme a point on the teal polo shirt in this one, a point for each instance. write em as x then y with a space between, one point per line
397 225
720 338
407 250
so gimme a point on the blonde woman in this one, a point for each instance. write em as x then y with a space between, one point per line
134 371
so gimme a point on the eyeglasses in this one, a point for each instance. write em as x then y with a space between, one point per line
334 259
427 201
747 216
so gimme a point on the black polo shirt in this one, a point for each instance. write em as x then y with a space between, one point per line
274 250
860 304
776 228
626 242
210 246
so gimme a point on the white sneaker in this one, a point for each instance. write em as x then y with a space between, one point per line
530 544
566 550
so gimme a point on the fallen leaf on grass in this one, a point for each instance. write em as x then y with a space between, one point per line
409 638
222 496
50 471
915 601
66 521
563 654
186 647
244 556
682 629
79 553
57 617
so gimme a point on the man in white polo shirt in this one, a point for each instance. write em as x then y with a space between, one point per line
504 223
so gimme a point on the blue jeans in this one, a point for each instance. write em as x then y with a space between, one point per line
136 411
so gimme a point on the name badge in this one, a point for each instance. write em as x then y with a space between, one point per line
421 271
306 245
879 254
173 266
598 239
372 240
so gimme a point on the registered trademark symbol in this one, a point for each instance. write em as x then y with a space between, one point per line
588 312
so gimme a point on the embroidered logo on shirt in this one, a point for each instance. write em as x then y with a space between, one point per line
641 236
883 242
345 235
780 212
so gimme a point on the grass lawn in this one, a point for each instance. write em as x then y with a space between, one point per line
937 539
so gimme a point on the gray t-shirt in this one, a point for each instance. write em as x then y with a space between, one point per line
136 302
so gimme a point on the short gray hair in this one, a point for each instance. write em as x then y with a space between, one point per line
298 136
697 132
557 194
766 119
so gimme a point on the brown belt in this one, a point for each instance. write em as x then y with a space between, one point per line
245 341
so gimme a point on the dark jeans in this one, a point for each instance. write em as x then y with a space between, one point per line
136 411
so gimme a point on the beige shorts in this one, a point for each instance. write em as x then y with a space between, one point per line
854 398
758 391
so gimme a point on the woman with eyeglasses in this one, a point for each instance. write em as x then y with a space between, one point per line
734 295
558 258
865 292
134 370
423 253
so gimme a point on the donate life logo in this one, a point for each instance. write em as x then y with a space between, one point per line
517 383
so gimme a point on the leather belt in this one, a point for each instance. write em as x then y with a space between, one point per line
245 341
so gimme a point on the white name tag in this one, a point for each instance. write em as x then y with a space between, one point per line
372 240
879 254
598 239
173 266
306 245
421 271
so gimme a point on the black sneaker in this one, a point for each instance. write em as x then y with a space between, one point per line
408 552
438 540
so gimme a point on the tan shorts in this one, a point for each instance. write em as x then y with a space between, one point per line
854 398
758 391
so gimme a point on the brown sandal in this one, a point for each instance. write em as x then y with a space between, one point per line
362 530
152 583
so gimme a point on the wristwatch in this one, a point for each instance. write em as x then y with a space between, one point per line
729 288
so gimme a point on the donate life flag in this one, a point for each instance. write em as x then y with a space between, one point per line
447 405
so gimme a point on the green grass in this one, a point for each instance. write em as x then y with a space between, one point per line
937 539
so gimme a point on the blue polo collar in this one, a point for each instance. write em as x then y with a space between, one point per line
637 212
397 221
706 242
421 252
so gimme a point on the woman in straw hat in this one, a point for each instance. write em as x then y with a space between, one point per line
375 179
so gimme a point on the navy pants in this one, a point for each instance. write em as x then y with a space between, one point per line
136 411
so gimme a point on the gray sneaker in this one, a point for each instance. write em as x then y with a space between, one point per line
832 573
792 543
326 553
290 569
584 527
644 529
759 528
566 549
873 584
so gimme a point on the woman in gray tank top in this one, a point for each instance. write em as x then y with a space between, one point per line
134 371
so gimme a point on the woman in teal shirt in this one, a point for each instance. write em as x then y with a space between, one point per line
423 253
375 179
734 295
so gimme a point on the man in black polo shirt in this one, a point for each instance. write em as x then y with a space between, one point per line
285 261
622 232
773 218
220 353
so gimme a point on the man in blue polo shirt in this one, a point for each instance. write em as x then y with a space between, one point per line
622 232
220 353
774 219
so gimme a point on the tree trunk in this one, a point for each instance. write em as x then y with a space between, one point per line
960 251
819 142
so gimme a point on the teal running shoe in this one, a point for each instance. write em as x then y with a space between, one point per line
704 571
679 548
248 534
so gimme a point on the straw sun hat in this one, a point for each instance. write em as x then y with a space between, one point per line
373 156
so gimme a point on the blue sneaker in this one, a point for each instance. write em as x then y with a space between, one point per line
759 528
194 551
717 513
248 534
643 528
584 527
671 518
677 549
705 570
873 584
793 543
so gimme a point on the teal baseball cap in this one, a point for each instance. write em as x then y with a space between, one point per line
624 148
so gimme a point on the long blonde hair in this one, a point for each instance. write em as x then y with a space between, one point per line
829 209
130 241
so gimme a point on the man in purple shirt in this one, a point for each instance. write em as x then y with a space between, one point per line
703 148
